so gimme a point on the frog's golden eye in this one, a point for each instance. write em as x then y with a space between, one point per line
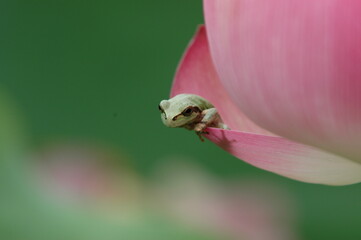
187 112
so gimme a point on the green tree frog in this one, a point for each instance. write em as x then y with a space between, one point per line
191 112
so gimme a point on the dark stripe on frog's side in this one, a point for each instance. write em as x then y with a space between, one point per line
195 109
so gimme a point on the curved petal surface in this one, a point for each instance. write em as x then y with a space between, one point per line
196 74
293 67
287 158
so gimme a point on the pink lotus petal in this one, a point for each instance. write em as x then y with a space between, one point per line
246 208
286 158
196 75
293 67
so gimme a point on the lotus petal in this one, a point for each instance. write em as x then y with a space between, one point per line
293 67
196 74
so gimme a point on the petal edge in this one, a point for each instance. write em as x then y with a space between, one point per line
287 158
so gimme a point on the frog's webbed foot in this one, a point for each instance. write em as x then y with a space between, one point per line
199 127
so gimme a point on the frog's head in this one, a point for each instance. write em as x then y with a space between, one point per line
178 111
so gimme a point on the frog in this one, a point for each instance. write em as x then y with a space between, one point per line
191 112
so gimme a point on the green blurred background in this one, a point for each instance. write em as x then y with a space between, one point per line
96 71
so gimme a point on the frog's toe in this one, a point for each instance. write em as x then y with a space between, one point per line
200 135
200 127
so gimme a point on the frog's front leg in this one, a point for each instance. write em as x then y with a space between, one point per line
210 118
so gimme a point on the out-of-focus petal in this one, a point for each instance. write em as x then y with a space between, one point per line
293 67
196 75
287 158
245 208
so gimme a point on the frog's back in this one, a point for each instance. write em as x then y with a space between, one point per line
193 100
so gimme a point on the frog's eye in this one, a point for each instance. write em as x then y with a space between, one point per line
187 112
160 109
